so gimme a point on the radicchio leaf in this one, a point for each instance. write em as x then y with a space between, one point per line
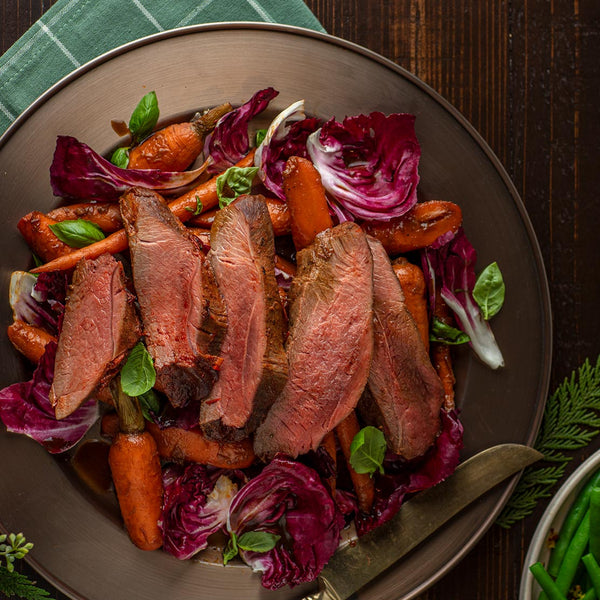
195 505
287 498
451 269
369 163
229 141
78 172
286 136
25 408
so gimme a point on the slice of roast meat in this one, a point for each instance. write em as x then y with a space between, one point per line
181 309
404 392
330 343
254 367
100 325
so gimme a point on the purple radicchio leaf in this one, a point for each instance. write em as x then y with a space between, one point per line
78 172
369 163
229 142
195 505
286 136
451 269
402 477
288 499
25 408
40 300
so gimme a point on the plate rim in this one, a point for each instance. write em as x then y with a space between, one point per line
546 346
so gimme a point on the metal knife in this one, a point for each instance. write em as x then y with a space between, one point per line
353 566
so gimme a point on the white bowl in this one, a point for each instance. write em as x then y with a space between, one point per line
552 520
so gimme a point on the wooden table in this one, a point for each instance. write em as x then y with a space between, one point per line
526 74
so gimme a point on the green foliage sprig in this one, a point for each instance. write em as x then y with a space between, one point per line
571 420
12 584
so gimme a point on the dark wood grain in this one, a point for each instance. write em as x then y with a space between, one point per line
526 74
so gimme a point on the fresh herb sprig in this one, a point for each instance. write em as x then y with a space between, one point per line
571 420
13 584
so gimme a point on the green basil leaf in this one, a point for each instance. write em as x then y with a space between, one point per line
77 233
120 157
231 549
138 374
144 117
198 209
367 450
260 136
489 291
149 403
236 180
258 541
446 334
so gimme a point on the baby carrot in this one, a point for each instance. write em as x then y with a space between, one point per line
419 227
29 340
104 214
176 147
136 473
306 200
440 355
363 484
35 229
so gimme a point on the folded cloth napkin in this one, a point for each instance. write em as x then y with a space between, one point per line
74 32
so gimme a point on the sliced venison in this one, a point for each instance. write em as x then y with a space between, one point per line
404 393
254 368
330 342
100 325
182 311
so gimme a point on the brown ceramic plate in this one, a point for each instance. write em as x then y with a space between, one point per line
79 541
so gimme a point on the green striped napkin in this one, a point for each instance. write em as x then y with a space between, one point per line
74 32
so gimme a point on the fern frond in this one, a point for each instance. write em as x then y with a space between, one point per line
16 585
571 421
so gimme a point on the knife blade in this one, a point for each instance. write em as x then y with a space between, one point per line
355 565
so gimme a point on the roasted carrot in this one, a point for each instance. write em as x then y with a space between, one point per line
419 227
329 446
136 473
104 214
205 194
440 354
285 266
415 294
117 242
278 211
363 484
202 234
176 147
35 229
179 444
306 200
29 340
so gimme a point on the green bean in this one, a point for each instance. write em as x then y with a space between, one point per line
571 523
573 555
595 523
593 571
546 582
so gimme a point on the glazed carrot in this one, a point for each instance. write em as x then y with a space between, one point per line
440 354
117 242
329 445
363 484
285 266
419 227
205 193
306 200
136 473
112 244
415 294
176 147
202 234
180 444
278 211
104 214
35 229
29 340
